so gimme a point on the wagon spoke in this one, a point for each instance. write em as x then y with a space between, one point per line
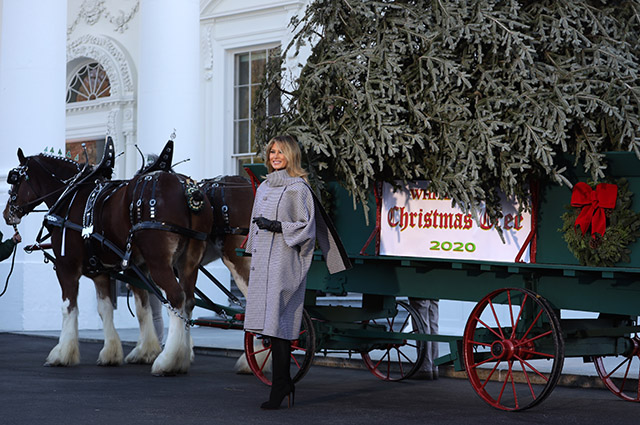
495 317
388 362
511 312
295 360
400 361
526 375
504 386
377 365
533 322
514 326
482 344
490 329
626 373
533 369
400 353
405 324
486 381
513 384
491 359
535 338
297 347
263 350
538 353
626 360
266 358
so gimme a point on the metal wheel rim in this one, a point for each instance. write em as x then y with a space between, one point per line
539 339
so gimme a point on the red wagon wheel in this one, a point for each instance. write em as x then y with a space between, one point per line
621 374
257 348
513 349
398 360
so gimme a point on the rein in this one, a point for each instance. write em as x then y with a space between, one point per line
13 262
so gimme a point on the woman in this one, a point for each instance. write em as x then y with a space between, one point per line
287 221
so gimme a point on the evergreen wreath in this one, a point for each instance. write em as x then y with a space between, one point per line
623 228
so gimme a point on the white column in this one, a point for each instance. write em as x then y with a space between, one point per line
169 94
32 77
33 40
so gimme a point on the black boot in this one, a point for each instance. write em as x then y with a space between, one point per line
281 383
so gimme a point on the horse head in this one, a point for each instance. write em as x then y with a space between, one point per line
39 178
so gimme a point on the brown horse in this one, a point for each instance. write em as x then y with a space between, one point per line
152 222
231 199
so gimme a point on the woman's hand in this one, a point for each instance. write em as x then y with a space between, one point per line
266 224
17 238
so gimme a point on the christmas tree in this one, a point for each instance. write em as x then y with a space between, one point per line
474 96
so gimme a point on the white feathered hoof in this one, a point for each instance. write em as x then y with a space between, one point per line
242 366
166 366
144 353
110 355
177 354
67 351
64 355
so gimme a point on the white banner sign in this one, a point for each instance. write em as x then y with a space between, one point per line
415 223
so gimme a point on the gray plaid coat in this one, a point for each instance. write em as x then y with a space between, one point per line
280 261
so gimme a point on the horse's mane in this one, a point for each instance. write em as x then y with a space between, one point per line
66 165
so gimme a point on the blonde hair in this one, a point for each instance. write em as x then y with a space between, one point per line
291 151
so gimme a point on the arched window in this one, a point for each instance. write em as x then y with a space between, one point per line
89 83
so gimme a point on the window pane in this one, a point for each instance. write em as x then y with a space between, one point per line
89 83
258 62
242 69
242 136
242 103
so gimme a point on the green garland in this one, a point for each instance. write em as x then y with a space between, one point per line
623 228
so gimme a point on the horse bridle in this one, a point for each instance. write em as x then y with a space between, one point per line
15 178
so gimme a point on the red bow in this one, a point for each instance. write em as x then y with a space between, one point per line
593 202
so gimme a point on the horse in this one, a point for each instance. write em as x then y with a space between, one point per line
155 224
231 198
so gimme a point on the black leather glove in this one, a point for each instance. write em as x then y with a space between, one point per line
266 224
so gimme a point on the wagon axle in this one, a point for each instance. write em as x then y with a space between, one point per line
510 349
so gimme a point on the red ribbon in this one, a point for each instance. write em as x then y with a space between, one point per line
593 203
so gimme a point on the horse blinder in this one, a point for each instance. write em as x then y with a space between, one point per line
16 174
